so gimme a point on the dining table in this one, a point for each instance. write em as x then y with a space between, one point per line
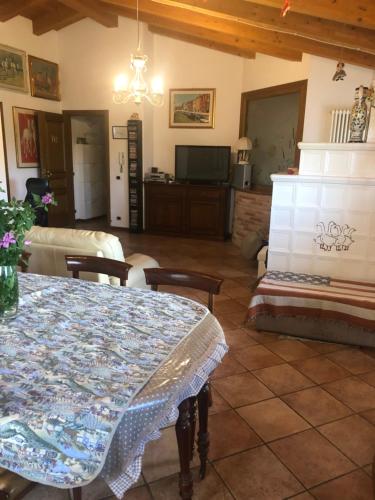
90 373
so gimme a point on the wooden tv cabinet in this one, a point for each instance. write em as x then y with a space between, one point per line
189 210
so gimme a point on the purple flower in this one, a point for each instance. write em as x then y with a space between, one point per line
27 242
47 199
7 239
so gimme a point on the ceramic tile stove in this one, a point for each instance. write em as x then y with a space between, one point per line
323 220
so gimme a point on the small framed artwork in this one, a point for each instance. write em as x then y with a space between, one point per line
44 78
191 108
119 132
25 133
13 69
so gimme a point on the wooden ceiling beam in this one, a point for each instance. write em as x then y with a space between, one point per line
154 13
357 12
204 34
229 49
94 9
61 16
12 8
261 16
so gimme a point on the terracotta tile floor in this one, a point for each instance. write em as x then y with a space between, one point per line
290 419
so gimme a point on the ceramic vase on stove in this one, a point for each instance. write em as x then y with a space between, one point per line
358 118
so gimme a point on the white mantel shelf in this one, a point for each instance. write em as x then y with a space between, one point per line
356 181
333 146
354 160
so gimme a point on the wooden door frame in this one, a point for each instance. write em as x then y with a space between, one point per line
5 149
68 115
278 90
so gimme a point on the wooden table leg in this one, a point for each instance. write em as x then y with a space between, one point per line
76 493
193 418
183 433
203 436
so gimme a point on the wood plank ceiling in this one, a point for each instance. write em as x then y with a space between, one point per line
336 29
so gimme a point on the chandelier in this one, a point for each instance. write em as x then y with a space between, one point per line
137 90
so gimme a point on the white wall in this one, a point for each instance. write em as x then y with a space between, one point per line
267 71
324 94
18 34
93 55
189 66
90 55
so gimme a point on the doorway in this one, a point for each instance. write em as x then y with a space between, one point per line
88 154
273 119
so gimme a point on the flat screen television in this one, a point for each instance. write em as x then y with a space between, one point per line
202 163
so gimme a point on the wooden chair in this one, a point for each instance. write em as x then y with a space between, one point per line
100 265
157 276
12 486
210 284
23 261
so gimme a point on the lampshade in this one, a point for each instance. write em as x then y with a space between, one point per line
243 144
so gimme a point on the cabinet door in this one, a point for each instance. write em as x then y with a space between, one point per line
206 209
165 209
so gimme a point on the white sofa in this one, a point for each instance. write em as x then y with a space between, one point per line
49 245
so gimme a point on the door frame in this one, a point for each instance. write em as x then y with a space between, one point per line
68 114
299 87
5 150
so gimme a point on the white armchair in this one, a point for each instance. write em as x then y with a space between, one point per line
49 245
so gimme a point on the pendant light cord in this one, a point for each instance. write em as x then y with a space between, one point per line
139 41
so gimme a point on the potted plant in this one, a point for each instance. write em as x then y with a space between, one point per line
16 217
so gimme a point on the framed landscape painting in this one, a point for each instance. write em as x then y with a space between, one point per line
25 132
44 78
13 69
191 108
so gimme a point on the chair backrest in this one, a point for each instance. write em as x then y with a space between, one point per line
91 264
156 276
23 261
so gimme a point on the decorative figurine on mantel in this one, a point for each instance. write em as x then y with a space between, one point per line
358 118
340 73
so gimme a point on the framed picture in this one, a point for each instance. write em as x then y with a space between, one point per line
191 108
119 132
13 69
44 78
25 133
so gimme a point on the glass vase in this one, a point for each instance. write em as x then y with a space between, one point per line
8 292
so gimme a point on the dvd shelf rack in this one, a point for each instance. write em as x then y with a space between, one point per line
135 176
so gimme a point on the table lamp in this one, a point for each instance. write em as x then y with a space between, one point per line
243 147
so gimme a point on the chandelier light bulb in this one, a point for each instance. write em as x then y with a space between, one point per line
157 86
121 83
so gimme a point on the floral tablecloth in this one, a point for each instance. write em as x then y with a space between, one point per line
75 370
